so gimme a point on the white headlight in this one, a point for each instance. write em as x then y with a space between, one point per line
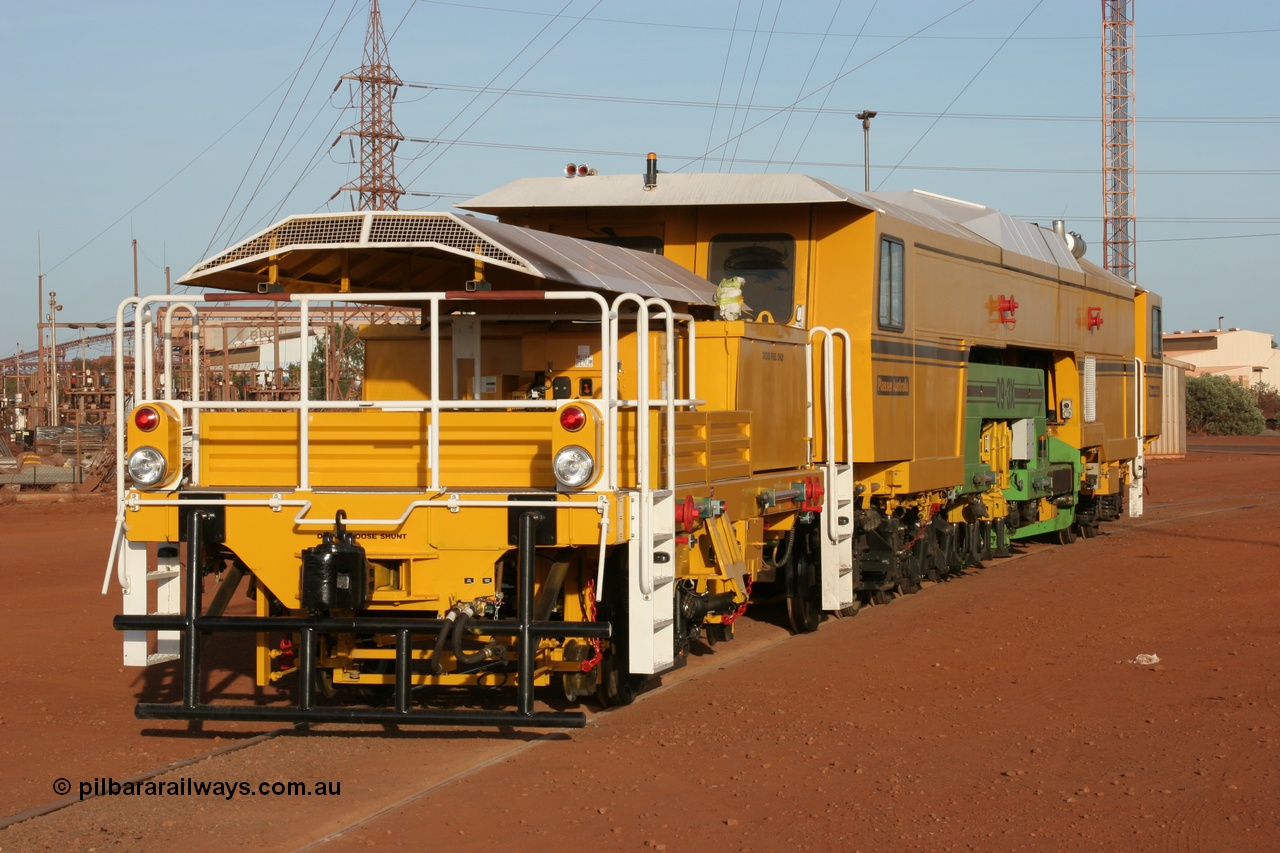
573 467
146 467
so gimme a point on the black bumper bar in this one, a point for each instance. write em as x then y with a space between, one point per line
193 623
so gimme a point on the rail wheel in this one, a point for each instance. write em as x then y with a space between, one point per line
617 687
848 611
939 540
911 570
804 588
579 685
973 544
1067 535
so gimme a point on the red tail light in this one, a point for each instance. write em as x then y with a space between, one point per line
146 419
572 418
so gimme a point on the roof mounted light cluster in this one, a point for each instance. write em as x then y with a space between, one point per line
578 170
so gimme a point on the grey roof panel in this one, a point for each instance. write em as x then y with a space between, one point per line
677 190
947 215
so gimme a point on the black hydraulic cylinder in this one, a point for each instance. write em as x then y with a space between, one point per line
529 520
403 651
195 605
307 669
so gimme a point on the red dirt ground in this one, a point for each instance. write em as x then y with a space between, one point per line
997 711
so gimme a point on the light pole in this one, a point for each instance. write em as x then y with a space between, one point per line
54 308
866 116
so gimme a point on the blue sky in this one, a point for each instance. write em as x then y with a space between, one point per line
187 127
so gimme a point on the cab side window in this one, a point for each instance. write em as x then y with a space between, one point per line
767 265
892 295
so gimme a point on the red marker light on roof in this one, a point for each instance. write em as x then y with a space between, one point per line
571 170
572 418
584 170
146 419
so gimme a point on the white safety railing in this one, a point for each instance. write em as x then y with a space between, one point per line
150 312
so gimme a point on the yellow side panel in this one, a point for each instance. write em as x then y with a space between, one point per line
924 475
691 448
400 369
730 445
375 449
248 449
938 420
771 383
496 449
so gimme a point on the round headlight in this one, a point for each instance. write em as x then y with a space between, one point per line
146 467
573 467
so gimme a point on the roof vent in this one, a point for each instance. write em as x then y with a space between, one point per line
1075 243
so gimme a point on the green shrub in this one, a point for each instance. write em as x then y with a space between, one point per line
1217 405
1268 400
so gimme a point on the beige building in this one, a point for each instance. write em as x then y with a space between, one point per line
1247 357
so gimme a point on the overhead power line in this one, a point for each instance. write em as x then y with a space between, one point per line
711 105
671 25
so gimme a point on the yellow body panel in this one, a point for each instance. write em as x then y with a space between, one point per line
374 449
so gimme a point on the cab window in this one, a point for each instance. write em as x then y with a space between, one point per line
766 263
1157 333
892 296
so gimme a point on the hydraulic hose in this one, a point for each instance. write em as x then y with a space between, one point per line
491 651
776 562
441 639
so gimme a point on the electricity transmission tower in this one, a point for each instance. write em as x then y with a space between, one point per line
1118 193
377 187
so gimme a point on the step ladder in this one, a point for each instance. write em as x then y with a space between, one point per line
166 579
651 618
837 538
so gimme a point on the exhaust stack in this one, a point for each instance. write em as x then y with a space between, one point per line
1075 243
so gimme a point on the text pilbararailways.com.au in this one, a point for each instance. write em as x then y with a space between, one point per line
185 786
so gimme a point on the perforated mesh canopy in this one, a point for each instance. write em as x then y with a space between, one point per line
393 251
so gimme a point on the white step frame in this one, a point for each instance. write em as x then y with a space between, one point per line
840 484
650 577
137 581
1138 466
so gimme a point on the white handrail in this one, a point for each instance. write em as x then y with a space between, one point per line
1139 400
828 336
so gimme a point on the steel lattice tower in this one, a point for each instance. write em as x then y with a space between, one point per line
1118 194
378 188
